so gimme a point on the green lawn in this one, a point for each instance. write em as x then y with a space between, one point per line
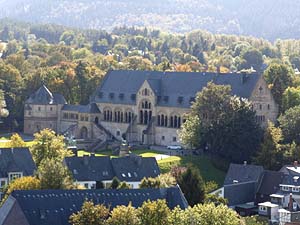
5 143
203 163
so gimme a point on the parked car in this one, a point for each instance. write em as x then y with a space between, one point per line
174 147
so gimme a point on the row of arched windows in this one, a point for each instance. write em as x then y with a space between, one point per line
172 121
117 116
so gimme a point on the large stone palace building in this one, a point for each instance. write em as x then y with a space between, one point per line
140 106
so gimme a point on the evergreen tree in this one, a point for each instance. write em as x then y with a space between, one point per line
192 185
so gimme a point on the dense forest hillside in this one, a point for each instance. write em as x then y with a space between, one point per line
262 18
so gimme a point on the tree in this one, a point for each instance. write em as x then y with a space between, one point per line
123 215
115 183
192 185
290 125
290 98
225 124
154 213
23 183
216 200
90 214
279 78
47 146
162 181
54 175
190 132
123 185
270 153
252 58
16 141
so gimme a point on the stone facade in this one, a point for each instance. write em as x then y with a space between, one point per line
144 112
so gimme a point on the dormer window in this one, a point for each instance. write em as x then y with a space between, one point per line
121 96
133 97
158 98
192 99
111 95
180 99
166 98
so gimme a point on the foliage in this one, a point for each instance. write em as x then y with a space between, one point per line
48 146
115 183
192 185
158 213
190 132
254 220
90 214
279 78
123 215
270 152
216 200
161 181
16 141
123 185
154 212
290 98
290 125
54 175
23 183
227 128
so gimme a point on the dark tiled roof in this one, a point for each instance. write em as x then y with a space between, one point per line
243 173
55 206
90 108
131 168
240 193
44 97
16 160
90 168
135 168
270 182
169 84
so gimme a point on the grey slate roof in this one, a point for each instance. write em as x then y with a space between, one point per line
44 97
270 182
90 108
16 160
49 207
243 173
135 168
100 168
240 193
90 168
290 171
171 84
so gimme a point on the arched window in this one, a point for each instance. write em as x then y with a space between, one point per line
172 121
166 121
158 120
145 113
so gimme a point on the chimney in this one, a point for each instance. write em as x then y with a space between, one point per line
12 150
295 164
245 163
291 203
85 160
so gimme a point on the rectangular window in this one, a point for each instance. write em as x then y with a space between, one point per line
174 139
50 108
2 183
163 138
86 118
13 176
39 108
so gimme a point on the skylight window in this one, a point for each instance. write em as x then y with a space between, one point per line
123 175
